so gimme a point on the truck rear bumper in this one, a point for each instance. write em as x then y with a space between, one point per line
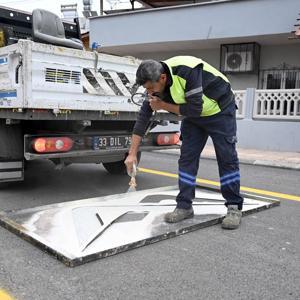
11 171
92 153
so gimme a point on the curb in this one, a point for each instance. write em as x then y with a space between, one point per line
256 162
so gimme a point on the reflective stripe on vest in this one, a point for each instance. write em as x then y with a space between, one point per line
209 106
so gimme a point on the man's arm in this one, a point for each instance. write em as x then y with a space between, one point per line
131 159
193 92
143 119
135 144
139 130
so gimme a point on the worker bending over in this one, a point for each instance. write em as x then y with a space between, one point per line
190 87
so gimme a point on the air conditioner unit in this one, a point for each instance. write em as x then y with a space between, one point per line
238 61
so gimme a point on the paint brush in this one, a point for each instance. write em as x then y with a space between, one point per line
132 182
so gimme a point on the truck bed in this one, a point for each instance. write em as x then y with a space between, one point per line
38 76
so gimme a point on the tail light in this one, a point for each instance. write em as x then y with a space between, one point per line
168 139
52 144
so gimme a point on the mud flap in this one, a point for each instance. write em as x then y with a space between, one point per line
11 152
11 171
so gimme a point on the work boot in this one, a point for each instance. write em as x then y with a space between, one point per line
233 218
178 215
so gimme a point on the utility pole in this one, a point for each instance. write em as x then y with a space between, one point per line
101 7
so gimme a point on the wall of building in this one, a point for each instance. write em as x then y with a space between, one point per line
212 56
269 135
201 22
271 57
265 132
199 30
262 133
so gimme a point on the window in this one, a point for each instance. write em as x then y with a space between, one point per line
277 79
280 79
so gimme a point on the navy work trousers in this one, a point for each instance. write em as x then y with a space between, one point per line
194 133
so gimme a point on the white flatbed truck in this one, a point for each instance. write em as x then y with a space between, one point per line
68 106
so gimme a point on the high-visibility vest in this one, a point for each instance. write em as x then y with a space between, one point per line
209 106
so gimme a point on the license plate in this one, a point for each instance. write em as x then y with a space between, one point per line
111 142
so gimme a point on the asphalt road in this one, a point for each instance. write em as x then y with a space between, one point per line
260 260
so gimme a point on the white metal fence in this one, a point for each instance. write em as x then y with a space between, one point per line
277 104
240 100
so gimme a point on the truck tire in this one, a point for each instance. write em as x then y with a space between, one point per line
118 167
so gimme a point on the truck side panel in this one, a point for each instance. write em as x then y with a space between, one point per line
10 92
52 77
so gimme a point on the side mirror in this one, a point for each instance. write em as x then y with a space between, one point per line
139 98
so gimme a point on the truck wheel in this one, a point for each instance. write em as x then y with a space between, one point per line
118 167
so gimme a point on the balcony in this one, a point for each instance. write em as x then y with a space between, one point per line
195 26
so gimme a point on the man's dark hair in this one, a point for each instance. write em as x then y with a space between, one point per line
149 70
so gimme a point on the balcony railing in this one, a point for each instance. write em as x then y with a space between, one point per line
240 100
277 104
281 104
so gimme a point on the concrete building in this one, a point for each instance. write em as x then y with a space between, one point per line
254 42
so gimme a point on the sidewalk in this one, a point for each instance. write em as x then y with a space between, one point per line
287 160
